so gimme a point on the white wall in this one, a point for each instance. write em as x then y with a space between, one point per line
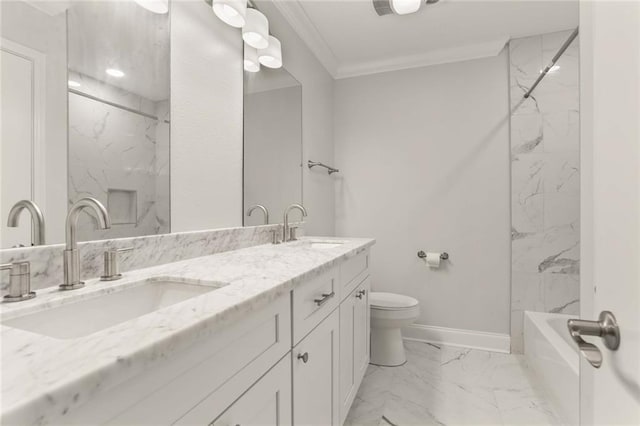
206 119
272 152
30 27
317 123
424 159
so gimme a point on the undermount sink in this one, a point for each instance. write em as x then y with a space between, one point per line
326 244
87 316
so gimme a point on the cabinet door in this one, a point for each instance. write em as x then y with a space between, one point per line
315 375
354 344
266 402
361 332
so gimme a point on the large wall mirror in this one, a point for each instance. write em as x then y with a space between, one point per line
85 112
272 143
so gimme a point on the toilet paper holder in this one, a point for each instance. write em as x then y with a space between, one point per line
443 256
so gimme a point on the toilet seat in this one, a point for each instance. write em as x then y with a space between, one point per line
391 301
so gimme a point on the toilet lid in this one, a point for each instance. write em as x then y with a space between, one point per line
391 301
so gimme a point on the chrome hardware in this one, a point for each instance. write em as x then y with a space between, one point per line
20 282
285 229
330 169
37 220
606 328
71 254
292 233
325 298
443 256
265 212
304 357
274 236
360 293
111 267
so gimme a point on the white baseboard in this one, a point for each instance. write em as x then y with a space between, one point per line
493 342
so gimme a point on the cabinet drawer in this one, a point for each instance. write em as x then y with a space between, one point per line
353 271
313 301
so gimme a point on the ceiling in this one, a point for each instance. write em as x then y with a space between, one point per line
121 35
350 39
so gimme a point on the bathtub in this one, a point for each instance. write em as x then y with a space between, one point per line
553 357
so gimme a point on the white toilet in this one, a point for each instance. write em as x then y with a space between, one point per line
389 313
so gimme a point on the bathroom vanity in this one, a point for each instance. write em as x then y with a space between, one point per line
270 334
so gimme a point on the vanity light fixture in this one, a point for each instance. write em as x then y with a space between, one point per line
231 12
113 72
156 6
256 29
251 63
73 83
271 56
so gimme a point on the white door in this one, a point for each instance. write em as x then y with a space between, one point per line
21 100
315 375
610 235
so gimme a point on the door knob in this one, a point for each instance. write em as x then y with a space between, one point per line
606 328
304 357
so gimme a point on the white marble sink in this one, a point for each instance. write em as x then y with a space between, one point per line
104 310
329 244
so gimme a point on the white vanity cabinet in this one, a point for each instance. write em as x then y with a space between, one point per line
266 402
316 374
298 360
354 344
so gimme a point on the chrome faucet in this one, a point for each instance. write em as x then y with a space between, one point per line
37 220
265 212
285 229
71 254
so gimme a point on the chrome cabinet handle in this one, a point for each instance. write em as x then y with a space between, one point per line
361 293
304 357
606 328
325 298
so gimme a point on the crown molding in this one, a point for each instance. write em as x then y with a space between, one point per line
297 17
434 57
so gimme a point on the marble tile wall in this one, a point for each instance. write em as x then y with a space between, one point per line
114 149
46 261
545 180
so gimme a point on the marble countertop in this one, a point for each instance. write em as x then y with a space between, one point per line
43 377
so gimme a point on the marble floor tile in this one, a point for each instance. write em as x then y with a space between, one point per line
441 385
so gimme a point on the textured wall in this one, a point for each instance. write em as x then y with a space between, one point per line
545 180
114 149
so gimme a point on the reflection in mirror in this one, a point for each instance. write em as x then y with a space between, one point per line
33 99
272 143
119 115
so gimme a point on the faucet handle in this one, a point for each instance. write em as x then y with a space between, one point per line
292 232
20 281
111 266
275 236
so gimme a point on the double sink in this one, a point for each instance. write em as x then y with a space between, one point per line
88 315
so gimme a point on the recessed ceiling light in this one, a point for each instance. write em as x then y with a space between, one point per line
114 72
404 7
73 83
